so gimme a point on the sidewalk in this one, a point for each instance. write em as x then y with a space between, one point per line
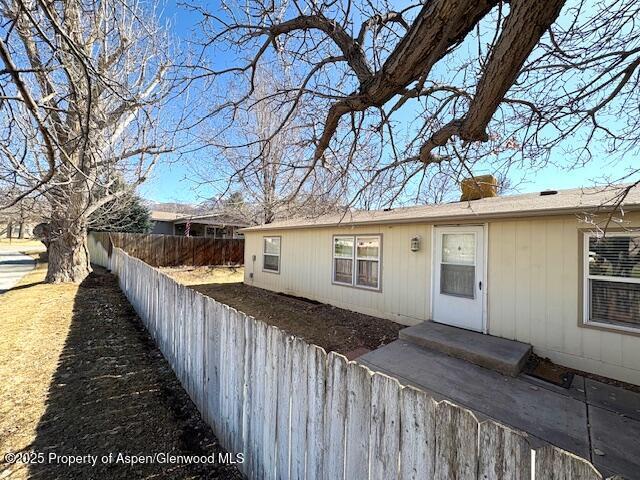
13 266
594 420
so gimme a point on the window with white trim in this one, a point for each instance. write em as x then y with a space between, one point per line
271 254
356 261
612 280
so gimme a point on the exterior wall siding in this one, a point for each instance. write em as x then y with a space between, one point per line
535 297
162 228
533 285
306 270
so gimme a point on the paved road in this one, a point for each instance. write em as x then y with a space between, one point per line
13 266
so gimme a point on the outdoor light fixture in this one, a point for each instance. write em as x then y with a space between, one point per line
415 243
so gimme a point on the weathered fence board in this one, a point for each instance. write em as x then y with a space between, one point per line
275 341
198 350
555 464
316 378
335 416
417 435
298 408
258 398
225 375
358 421
168 250
504 454
237 331
247 412
297 413
283 415
385 427
212 388
456 443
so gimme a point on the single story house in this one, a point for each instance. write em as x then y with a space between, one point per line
217 225
533 268
163 222
214 225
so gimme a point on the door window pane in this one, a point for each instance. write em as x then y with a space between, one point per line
459 248
458 280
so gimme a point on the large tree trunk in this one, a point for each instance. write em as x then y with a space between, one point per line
67 251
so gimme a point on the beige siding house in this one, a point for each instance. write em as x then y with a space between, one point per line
534 268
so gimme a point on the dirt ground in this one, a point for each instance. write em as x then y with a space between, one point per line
203 275
332 328
79 375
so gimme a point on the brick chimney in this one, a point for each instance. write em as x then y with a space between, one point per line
475 188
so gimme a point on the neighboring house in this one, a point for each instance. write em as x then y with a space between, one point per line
163 222
214 225
526 267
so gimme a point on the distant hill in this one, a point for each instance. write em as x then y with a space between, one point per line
174 207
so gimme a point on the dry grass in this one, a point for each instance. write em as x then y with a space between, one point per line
21 245
35 318
201 275
80 375
20 242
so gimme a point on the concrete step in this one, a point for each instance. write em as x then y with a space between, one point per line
499 354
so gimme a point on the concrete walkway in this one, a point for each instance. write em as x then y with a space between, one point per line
13 266
591 419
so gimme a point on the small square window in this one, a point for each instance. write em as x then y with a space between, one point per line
271 254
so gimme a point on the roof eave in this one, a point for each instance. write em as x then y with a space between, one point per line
445 218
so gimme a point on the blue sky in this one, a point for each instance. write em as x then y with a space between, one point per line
170 182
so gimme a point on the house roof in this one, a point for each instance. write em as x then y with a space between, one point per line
577 200
220 219
159 216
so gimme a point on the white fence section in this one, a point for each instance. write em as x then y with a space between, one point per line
297 412
97 251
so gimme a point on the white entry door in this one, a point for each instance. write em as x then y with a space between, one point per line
458 275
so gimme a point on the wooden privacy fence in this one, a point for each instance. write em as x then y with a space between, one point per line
297 412
172 250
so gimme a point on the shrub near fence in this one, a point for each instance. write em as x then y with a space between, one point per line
172 250
297 412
